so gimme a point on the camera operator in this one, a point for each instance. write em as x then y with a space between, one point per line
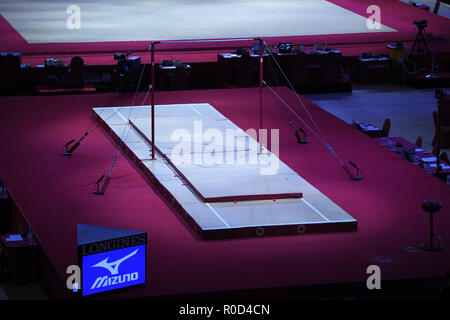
401 63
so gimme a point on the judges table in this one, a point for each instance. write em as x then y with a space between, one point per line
5 212
301 68
173 77
374 70
240 70
423 80
369 129
22 259
415 155
311 67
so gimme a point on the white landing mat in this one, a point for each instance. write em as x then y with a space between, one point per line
143 20
231 214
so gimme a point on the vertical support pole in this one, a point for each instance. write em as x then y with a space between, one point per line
153 98
261 75
431 230
438 137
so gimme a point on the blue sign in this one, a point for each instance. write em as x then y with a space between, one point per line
113 269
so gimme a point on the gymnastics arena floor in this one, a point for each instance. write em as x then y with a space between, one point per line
54 193
112 27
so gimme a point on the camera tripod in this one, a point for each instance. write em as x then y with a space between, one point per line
420 42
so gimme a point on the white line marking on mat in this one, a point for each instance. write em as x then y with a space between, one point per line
317 211
118 112
218 215
196 111
276 224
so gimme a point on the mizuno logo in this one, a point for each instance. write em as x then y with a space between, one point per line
113 267
106 281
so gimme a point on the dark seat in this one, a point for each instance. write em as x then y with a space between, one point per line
444 157
331 68
314 68
419 142
386 127
444 131
436 7
296 66
76 78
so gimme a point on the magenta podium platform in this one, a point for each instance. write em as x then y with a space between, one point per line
239 193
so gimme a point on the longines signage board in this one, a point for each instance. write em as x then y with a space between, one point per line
110 258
